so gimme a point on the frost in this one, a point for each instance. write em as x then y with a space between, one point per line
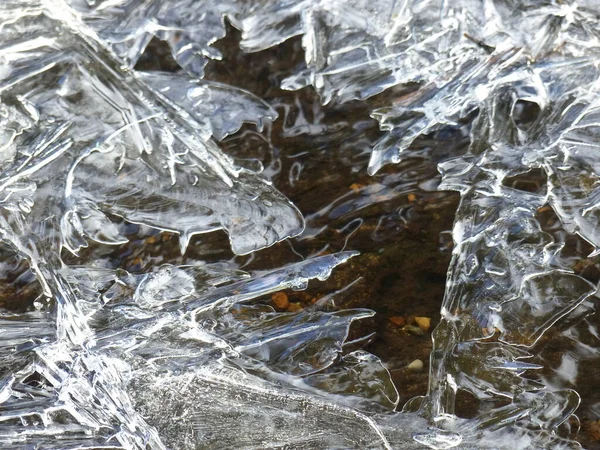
188 356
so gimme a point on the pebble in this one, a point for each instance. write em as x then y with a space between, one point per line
280 300
415 366
424 323
413 330
398 321
295 307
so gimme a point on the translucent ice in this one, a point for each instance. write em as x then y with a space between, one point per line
187 356
122 149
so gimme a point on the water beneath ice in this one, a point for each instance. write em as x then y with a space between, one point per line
219 234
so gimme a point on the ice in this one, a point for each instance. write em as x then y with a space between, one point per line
128 26
106 350
506 277
144 155
188 356
259 417
226 107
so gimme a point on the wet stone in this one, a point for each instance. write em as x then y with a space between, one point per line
416 366
280 300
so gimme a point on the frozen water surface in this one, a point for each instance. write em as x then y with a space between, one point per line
189 355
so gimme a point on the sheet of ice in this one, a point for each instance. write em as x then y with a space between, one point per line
186 357
124 145
227 108
122 351
122 149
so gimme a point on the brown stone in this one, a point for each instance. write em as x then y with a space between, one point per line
416 365
595 430
280 300
295 307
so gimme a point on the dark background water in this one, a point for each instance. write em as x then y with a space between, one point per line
317 156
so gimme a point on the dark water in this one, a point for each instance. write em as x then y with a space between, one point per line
317 156
396 219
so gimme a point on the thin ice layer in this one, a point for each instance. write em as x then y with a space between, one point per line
507 280
107 349
138 157
488 36
120 150
226 108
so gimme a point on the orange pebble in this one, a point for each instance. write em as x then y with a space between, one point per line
295 307
280 300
